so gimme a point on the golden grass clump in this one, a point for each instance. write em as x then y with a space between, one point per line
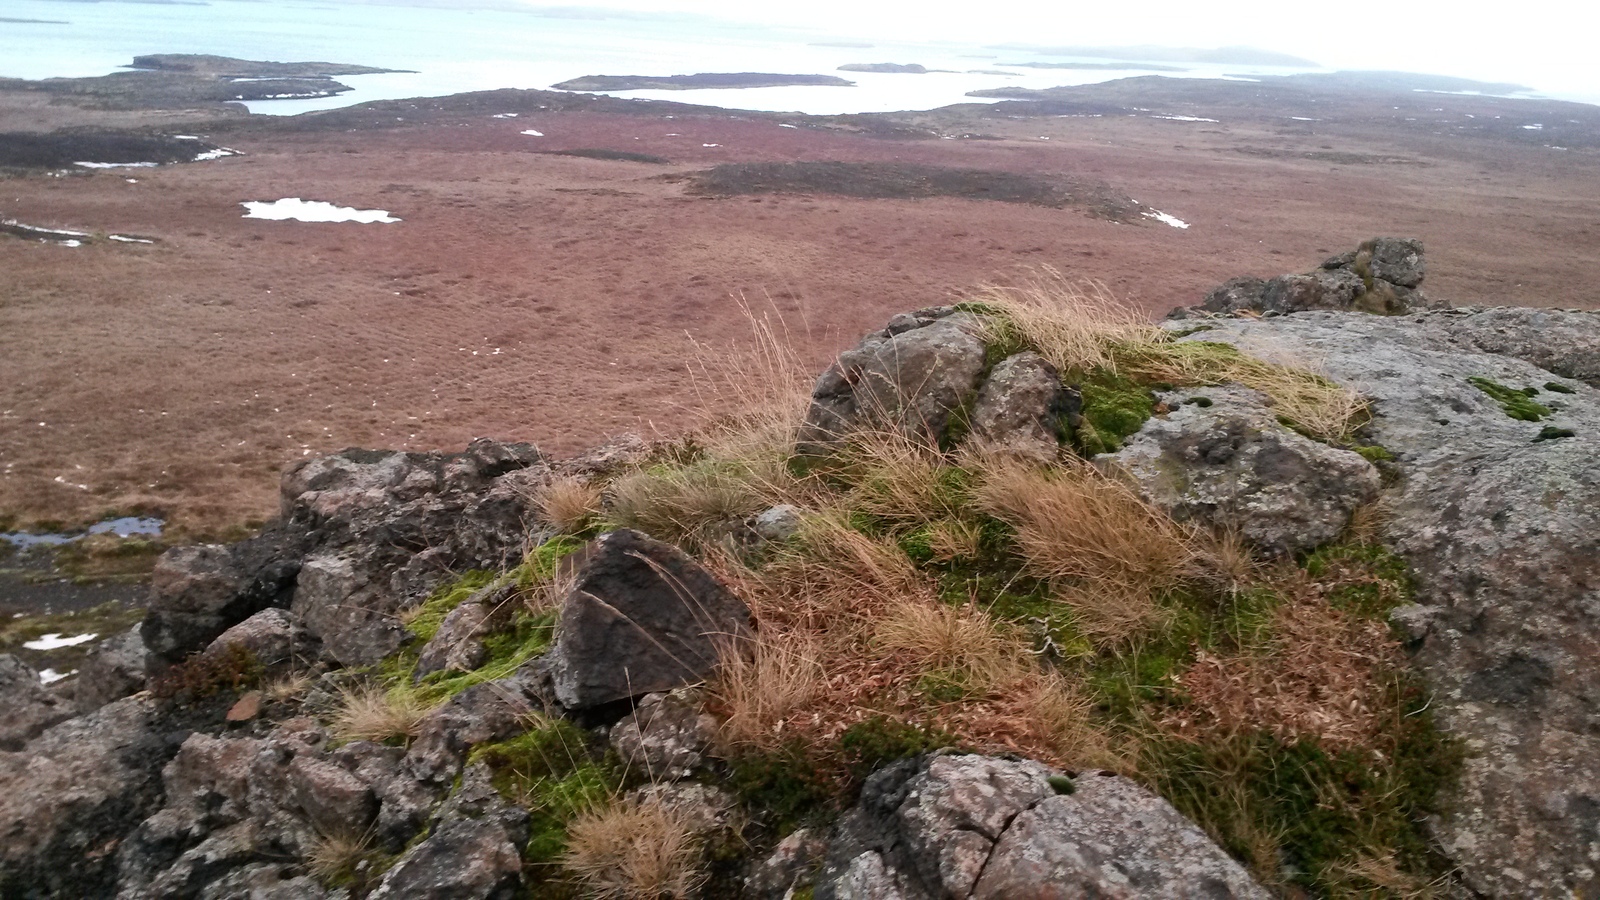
899 478
1110 554
680 503
1075 325
569 504
372 713
962 642
337 860
763 687
761 390
635 850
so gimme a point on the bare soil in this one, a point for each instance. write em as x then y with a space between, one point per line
559 298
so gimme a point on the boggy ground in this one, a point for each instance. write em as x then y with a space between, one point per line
559 299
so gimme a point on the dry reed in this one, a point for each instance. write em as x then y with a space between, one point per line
635 850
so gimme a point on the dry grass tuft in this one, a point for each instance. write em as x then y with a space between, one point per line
685 504
761 390
900 479
635 851
963 642
1110 553
1076 325
372 713
337 860
1324 676
289 686
763 687
1381 871
569 504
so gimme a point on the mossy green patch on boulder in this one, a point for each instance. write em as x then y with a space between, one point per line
1516 403
1114 407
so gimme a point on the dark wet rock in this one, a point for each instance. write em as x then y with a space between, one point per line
200 591
642 616
114 669
27 707
1382 277
1502 533
1022 407
274 638
473 851
72 793
953 825
458 644
1221 458
666 737
911 377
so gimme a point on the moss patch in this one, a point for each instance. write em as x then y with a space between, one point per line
1518 404
425 623
554 772
1114 407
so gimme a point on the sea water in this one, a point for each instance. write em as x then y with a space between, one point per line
459 49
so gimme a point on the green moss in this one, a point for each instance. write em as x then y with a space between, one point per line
542 562
527 637
1559 388
1364 579
1062 784
1516 403
1114 407
432 614
1303 812
784 788
871 744
1373 453
1551 433
554 773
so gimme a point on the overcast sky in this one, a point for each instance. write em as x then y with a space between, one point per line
1547 44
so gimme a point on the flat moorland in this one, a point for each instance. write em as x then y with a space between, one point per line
533 294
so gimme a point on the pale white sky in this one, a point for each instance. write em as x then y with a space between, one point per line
1544 43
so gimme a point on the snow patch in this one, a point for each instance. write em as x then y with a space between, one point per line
51 676
711 145
505 115
218 153
312 211
1160 216
129 240
531 133
55 641
100 165
1184 118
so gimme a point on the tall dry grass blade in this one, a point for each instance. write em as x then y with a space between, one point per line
1072 323
764 686
371 713
568 504
963 642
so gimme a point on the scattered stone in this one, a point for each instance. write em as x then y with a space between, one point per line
247 707
910 377
777 524
666 737
1383 276
1228 463
492 711
474 851
787 868
274 639
641 617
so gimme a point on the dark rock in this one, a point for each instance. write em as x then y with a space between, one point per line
788 867
1235 294
200 591
492 711
26 706
71 794
334 799
1398 261
910 377
114 669
641 617
474 851
1022 407
274 638
1228 463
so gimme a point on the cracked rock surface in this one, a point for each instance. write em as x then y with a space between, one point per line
968 826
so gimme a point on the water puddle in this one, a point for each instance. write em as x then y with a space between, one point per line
124 527
62 237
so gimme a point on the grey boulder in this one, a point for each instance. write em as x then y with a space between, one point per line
26 706
1022 409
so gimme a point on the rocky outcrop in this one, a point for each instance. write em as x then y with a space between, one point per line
1499 518
114 669
70 796
641 617
958 826
1382 276
667 736
473 850
910 377
458 644
1022 409
26 706
1221 458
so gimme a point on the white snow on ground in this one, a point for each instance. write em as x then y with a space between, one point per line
72 243
51 676
505 115
711 145
312 211
1184 118
531 133
1539 127
1160 216
1304 119
56 641
129 240
138 165
186 137
218 153
787 125
13 223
